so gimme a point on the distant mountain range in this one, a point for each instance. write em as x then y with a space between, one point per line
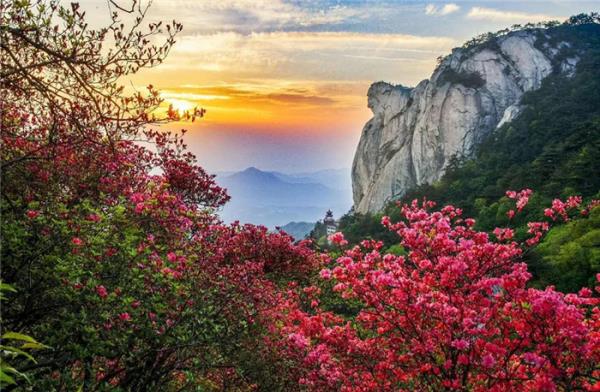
274 199
298 230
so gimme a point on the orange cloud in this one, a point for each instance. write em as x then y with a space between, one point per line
282 82
307 105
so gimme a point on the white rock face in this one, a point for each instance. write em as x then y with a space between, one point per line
415 131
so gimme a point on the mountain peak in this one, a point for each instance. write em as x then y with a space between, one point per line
252 169
414 133
255 175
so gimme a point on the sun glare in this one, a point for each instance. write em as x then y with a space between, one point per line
181 105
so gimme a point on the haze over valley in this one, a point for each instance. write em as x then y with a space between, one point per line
273 198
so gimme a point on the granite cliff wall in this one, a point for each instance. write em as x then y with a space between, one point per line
415 131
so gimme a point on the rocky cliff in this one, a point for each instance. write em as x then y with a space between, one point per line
415 132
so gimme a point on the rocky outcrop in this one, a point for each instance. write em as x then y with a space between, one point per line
415 131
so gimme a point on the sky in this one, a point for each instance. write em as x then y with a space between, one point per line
284 83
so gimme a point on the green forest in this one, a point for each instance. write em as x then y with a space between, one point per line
552 147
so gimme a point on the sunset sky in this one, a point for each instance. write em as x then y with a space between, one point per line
284 82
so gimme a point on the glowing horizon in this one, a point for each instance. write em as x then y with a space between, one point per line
284 83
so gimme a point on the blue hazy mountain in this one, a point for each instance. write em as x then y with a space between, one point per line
298 230
333 178
274 199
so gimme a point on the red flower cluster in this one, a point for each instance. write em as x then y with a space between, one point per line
338 239
455 313
560 208
522 199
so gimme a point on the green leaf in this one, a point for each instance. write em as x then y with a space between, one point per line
17 351
7 368
7 287
19 336
34 346
5 378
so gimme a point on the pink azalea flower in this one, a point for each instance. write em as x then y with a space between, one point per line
124 316
94 218
338 239
298 340
488 361
460 344
101 291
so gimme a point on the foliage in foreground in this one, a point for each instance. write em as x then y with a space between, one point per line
125 272
120 262
14 345
453 314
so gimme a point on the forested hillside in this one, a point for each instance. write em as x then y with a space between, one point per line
552 147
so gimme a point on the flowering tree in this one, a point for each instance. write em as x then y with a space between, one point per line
454 313
127 275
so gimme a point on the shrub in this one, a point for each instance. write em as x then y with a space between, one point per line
467 79
453 313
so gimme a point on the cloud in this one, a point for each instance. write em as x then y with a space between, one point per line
250 94
384 58
290 98
245 16
226 45
490 14
431 9
307 55
167 94
278 79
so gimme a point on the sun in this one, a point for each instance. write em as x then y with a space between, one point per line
181 105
